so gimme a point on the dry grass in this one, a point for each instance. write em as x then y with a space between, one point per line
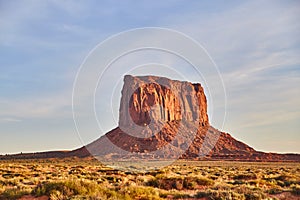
83 179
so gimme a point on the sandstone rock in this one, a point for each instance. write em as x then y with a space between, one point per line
149 98
169 118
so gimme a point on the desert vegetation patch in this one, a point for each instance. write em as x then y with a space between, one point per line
88 179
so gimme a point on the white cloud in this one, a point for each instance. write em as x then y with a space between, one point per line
43 107
9 119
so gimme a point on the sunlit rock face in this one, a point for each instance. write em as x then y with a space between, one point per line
150 99
164 119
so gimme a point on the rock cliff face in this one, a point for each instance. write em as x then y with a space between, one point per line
149 98
154 111
166 117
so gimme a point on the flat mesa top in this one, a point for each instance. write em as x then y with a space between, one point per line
152 78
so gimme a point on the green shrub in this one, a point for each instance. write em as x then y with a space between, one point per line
296 190
153 182
69 188
245 177
219 195
251 193
204 181
14 193
275 190
179 182
254 196
142 192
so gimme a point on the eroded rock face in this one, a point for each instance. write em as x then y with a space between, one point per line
162 119
147 99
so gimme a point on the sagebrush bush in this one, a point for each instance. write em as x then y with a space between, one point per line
219 195
296 190
14 193
179 182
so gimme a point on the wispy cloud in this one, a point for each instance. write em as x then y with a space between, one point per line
46 107
9 119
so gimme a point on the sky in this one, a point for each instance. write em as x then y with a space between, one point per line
255 45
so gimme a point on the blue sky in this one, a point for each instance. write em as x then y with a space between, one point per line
255 44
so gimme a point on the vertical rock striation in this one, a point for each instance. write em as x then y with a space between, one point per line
163 118
147 99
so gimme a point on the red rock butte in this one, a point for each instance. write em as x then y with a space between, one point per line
176 100
168 117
